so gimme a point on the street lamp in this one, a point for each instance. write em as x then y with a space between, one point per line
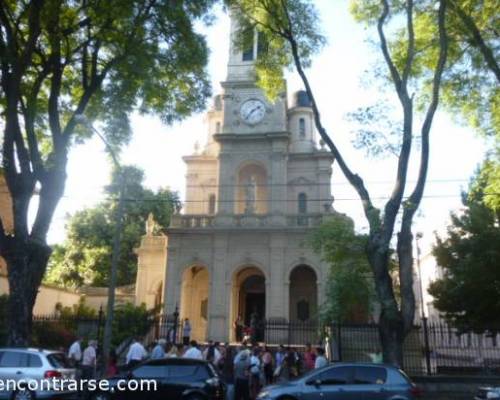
115 256
419 236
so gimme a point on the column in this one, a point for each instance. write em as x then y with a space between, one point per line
217 301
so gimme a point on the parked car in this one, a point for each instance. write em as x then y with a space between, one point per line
34 365
346 381
487 392
175 379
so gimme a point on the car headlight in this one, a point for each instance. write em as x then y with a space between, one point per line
263 395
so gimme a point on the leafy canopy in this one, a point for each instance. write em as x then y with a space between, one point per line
468 294
85 256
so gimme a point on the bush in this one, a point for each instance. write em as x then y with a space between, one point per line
52 335
130 321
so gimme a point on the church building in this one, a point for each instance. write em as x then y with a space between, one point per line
254 192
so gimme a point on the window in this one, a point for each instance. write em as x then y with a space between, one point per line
34 361
302 200
211 204
335 376
248 45
262 44
58 360
150 371
370 375
302 127
13 359
182 371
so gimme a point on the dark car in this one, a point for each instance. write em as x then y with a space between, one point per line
170 378
344 381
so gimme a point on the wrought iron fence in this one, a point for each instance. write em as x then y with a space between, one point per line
430 348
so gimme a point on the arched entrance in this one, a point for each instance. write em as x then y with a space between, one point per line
303 294
194 300
249 299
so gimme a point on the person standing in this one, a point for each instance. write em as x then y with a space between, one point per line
136 353
186 332
241 377
159 350
89 360
267 361
75 352
309 357
193 351
254 373
321 360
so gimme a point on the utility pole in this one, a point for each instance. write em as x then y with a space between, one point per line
108 326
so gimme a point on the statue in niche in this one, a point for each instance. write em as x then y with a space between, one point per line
250 195
150 225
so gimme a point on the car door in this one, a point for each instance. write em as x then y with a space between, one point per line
330 384
13 365
369 383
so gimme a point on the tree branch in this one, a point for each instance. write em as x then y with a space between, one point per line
411 43
478 39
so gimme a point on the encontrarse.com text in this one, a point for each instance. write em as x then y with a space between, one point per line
59 384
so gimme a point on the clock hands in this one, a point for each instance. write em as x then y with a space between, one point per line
252 111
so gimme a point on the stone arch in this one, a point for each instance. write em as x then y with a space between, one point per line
303 293
247 171
248 296
195 287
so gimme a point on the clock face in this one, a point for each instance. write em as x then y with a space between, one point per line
252 111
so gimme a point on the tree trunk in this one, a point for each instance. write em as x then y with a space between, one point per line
391 327
392 335
26 264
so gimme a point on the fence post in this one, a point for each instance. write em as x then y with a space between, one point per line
339 341
99 323
427 349
176 321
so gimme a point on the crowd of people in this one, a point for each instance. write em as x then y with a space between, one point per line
248 367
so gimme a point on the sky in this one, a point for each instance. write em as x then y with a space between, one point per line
338 78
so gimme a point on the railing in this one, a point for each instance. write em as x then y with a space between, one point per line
246 220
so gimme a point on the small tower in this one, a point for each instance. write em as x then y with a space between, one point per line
301 124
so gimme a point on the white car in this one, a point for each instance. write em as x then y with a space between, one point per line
31 367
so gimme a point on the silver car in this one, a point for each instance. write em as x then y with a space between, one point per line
32 366
345 381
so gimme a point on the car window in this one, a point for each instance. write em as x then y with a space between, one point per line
13 359
34 361
202 373
370 375
150 371
335 376
182 371
58 360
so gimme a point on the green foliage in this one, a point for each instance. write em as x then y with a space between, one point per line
85 256
130 321
468 293
349 286
270 17
3 319
470 90
80 310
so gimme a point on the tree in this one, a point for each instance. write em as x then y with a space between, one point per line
349 294
290 30
471 81
85 256
469 255
60 59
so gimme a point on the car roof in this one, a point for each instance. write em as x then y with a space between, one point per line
175 361
30 350
362 364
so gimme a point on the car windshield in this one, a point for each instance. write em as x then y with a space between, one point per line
58 360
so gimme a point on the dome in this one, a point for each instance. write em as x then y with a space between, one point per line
301 99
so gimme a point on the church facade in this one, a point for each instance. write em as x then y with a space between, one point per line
254 192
